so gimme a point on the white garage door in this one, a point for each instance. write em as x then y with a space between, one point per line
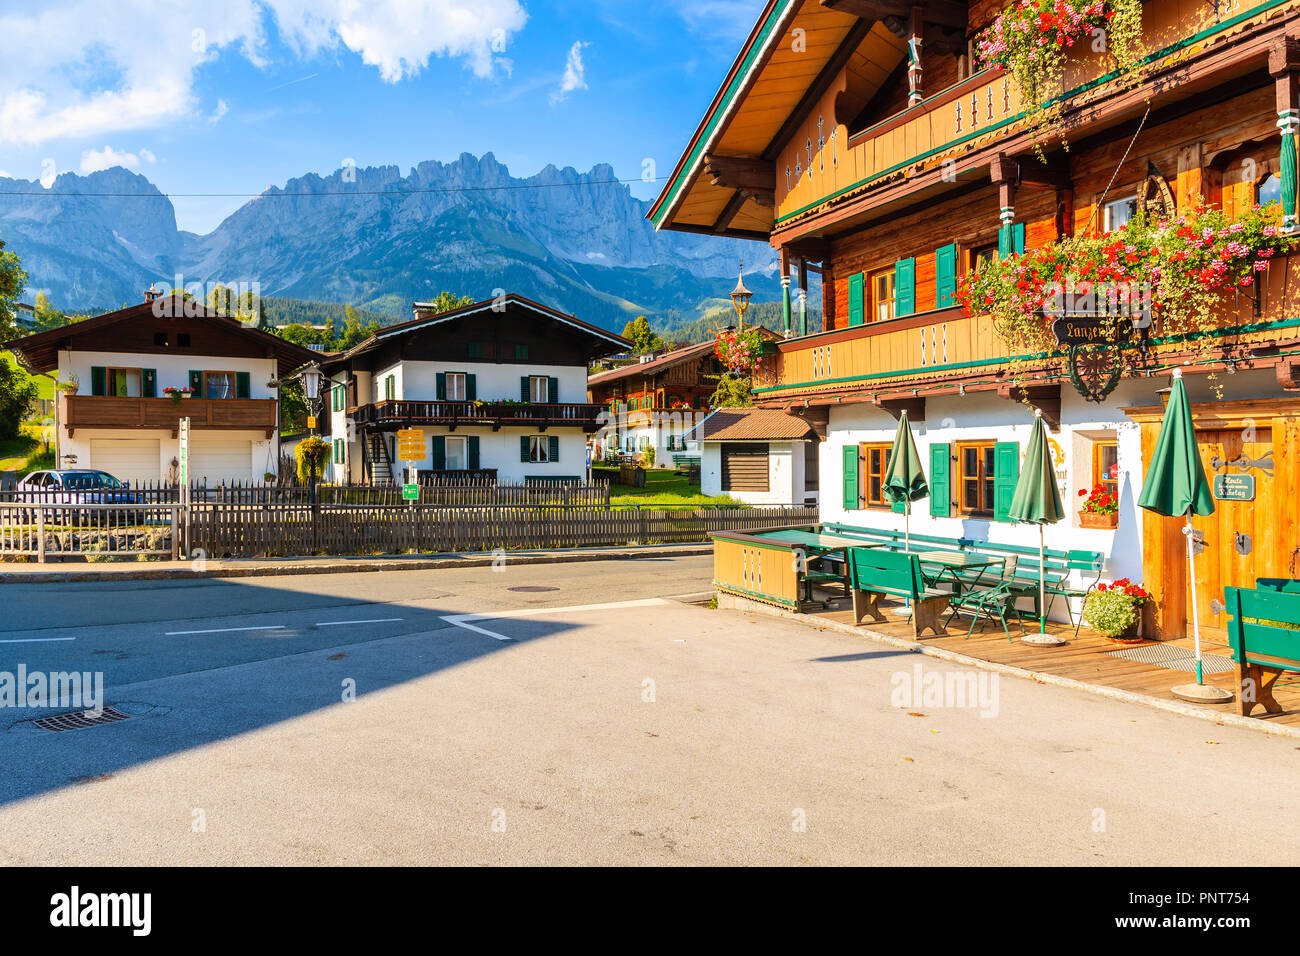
131 459
220 459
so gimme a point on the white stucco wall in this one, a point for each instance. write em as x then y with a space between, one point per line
417 381
262 455
500 450
173 370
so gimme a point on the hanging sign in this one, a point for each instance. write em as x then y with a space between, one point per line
1234 487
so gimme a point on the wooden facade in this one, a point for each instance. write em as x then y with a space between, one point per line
892 183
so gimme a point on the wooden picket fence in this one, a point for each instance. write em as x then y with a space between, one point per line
277 530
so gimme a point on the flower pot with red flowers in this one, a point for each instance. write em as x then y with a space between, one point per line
1113 610
1100 508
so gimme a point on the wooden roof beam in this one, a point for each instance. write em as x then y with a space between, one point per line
754 177
948 13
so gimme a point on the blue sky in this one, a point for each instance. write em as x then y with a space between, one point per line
231 96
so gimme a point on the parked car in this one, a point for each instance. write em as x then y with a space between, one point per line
77 486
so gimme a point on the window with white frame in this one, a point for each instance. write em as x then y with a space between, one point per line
456 388
538 447
457 446
1116 214
539 389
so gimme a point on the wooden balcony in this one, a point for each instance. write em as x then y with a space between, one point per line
945 350
906 152
107 411
389 415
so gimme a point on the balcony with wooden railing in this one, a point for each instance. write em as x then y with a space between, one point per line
112 411
946 349
392 414
985 110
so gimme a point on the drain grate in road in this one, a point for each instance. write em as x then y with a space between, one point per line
79 720
532 588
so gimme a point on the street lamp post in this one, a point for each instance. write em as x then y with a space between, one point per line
740 297
311 378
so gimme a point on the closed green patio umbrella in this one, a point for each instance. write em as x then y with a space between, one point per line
904 479
1038 501
1175 486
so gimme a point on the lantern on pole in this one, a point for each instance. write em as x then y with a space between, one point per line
740 297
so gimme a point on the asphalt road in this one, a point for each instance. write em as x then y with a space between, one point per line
591 724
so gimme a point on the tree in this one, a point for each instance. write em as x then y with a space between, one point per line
354 333
12 282
17 393
446 301
644 339
732 393
300 333
47 316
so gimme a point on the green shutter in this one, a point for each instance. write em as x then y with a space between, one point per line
904 287
475 350
523 390
149 382
196 383
523 447
390 387
471 453
945 274
855 298
553 447
850 453
1006 472
940 480
338 451
521 353
552 390
243 385
471 387
440 386
1018 238
439 453
98 380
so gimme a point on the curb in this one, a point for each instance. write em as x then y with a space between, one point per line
1039 677
418 564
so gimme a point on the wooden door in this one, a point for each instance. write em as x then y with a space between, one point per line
1222 564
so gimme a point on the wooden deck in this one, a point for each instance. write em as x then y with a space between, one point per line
1083 658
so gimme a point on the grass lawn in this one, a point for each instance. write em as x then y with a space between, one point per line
663 487
24 453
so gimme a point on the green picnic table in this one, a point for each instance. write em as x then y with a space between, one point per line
951 562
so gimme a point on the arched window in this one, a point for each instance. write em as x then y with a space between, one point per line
1269 190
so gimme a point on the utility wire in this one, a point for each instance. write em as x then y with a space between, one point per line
343 192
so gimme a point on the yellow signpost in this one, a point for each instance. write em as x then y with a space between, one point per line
410 445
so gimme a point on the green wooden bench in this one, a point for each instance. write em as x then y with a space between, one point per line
875 573
686 464
1264 632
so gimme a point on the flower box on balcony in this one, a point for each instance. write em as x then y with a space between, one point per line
1091 519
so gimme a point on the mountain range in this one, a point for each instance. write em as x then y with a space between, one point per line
376 239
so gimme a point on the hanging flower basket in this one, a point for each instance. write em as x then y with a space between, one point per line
739 351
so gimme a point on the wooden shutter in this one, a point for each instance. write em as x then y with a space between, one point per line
553 447
851 478
523 445
471 387
744 466
440 386
553 390
904 287
524 394
99 380
149 382
439 453
945 276
471 453
940 480
196 383
338 451
1006 472
243 385
390 387
1018 238
855 298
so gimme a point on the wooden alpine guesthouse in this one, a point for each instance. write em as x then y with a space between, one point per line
882 146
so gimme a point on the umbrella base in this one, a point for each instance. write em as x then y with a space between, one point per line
1042 640
1201 693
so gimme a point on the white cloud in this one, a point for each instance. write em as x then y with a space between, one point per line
575 73
93 160
81 68
222 109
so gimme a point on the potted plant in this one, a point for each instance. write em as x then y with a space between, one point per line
1100 508
1112 610
68 385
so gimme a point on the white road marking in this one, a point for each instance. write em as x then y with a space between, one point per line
461 620
229 630
371 620
37 640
